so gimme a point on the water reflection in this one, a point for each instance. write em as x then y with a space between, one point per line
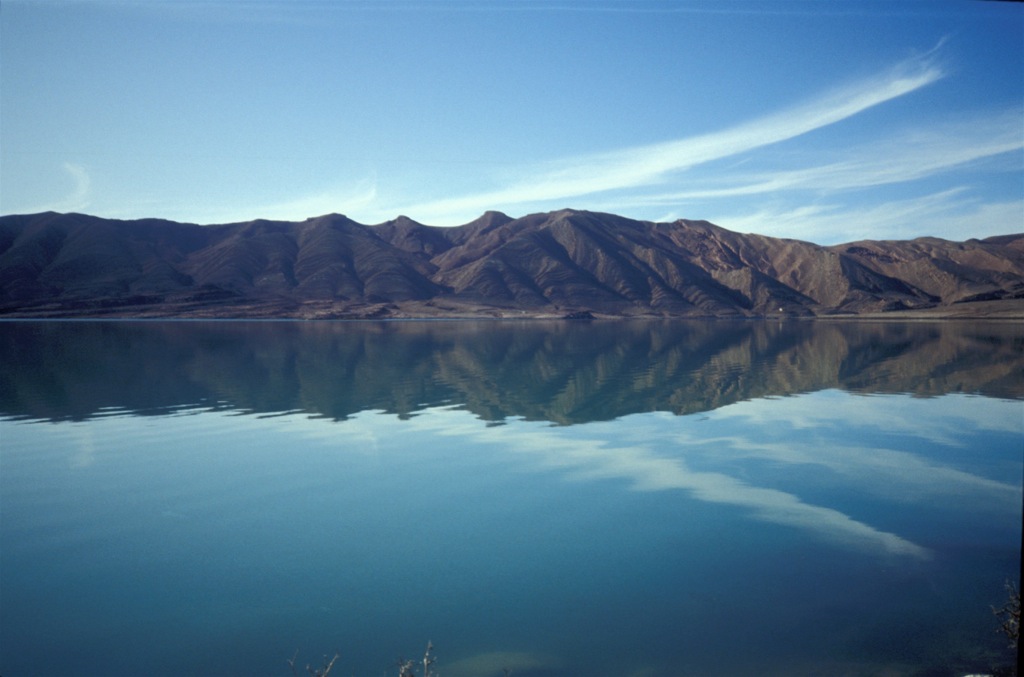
699 459
391 483
561 372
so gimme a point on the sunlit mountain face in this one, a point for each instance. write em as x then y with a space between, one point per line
558 264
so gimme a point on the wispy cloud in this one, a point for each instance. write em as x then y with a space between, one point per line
290 12
653 164
679 457
345 198
647 470
951 214
77 199
672 463
908 477
915 154
80 193
941 421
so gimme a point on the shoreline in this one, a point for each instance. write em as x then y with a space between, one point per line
996 310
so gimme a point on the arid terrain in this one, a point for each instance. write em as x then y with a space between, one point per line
566 263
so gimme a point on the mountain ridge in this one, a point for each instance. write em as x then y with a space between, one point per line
564 263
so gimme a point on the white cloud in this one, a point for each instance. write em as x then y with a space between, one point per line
652 164
908 477
916 154
79 197
647 470
648 466
772 505
942 421
343 198
76 200
665 462
952 214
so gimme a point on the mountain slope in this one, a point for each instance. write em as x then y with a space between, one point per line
558 263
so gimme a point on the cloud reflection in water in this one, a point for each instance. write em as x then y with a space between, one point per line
659 457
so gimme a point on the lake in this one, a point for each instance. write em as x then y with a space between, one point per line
569 498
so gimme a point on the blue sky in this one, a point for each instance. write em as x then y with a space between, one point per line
823 121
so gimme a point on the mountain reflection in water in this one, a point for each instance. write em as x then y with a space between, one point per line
208 497
563 372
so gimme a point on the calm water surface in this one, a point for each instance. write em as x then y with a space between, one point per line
610 499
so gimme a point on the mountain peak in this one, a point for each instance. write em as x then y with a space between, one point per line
556 264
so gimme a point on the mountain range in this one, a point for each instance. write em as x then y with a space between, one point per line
566 263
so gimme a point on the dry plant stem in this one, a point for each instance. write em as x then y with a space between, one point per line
315 672
1009 615
405 668
428 660
324 671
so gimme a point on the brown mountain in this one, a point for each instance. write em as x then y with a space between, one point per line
564 263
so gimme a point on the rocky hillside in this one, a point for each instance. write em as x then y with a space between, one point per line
565 263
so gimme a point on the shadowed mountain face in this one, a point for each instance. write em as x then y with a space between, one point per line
564 372
552 265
